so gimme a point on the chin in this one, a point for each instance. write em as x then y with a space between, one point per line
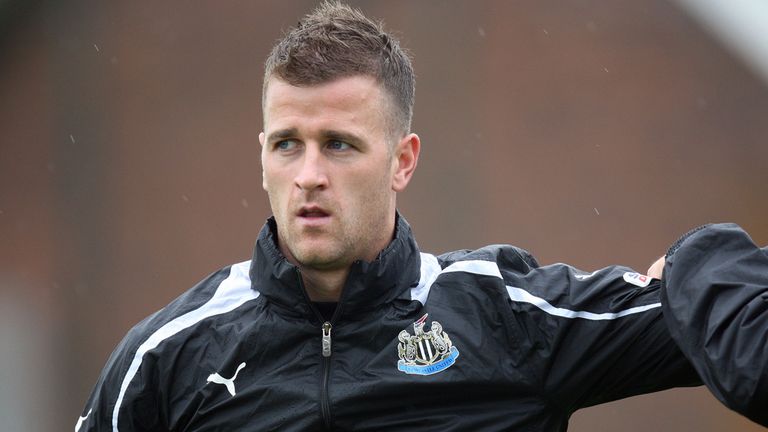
316 258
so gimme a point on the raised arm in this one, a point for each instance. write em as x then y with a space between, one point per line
715 302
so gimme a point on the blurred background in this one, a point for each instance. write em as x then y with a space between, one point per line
591 132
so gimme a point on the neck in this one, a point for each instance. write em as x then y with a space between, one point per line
323 286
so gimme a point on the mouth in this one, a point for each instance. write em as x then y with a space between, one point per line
312 212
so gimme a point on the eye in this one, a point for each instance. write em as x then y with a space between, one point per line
338 145
285 145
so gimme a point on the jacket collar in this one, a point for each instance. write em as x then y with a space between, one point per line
368 285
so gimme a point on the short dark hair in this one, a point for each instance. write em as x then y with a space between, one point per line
336 41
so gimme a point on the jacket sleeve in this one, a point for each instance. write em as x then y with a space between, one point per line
123 390
715 301
594 337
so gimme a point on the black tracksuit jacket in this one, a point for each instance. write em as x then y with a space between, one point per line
467 341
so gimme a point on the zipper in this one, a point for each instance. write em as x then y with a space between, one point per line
327 338
325 331
325 404
325 401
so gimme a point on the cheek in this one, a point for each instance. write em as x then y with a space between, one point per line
372 190
272 177
272 184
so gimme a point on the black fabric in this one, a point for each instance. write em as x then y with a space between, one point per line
716 305
326 309
521 347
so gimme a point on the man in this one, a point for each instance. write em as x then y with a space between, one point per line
339 322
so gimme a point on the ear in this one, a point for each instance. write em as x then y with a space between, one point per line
406 155
263 177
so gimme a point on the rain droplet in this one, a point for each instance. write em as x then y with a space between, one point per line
184 198
481 31
244 202
72 138
605 69
545 32
97 47
597 212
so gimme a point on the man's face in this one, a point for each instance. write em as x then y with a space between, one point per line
331 171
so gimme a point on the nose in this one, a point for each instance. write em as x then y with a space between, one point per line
312 173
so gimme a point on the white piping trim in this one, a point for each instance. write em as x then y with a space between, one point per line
486 268
430 270
520 295
489 268
232 293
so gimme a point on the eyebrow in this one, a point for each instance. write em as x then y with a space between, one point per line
282 134
326 134
341 136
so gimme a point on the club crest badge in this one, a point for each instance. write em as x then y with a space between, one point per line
425 352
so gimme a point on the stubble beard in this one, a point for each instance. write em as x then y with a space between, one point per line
332 253
347 241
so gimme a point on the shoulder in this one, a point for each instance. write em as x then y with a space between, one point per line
165 333
222 291
472 272
505 257
129 387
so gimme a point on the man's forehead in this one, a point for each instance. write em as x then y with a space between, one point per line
357 96
350 85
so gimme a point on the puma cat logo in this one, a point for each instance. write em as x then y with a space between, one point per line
229 383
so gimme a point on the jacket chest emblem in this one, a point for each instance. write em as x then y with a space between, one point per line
425 352
229 383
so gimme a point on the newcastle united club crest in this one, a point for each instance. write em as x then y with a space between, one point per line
425 352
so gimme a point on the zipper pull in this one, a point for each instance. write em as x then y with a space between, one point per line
326 339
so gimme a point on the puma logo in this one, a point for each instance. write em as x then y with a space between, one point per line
80 420
229 383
